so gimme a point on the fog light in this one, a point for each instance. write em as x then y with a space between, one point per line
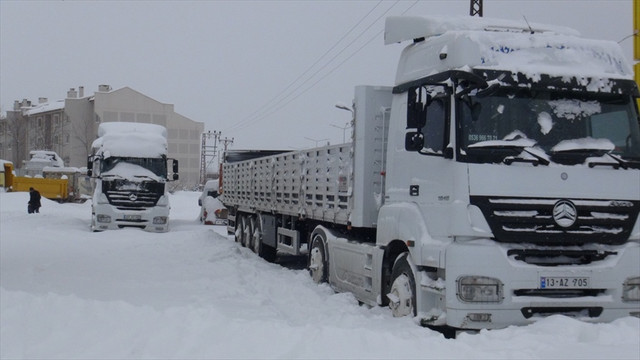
479 289
160 220
631 289
479 317
103 218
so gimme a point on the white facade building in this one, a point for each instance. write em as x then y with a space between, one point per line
69 127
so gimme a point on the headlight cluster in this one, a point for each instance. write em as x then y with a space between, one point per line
479 289
631 289
103 218
160 220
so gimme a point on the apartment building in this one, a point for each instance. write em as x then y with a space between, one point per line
69 126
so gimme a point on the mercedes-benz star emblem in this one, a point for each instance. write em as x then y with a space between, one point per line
565 213
133 197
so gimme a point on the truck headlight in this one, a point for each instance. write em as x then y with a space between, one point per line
631 289
479 289
160 220
103 218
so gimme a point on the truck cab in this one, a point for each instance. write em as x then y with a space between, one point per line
129 165
515 153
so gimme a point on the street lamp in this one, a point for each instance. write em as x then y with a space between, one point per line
317 140
344 130
349 124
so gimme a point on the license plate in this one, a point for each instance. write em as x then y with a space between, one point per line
132 217
561 282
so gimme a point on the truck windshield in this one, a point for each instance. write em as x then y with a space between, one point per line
155 165
552 126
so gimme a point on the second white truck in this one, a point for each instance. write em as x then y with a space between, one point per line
129 165
497 182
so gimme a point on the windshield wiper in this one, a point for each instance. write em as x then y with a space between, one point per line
619 163
513 145
145 177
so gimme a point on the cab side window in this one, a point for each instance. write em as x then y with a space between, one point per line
434 129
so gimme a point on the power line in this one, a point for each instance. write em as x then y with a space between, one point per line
274 107
377 35
269 103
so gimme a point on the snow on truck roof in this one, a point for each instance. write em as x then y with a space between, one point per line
496 44
131 139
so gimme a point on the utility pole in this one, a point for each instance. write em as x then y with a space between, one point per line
208 153
225 143
475 8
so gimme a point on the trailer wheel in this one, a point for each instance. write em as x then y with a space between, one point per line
318 265
256 235
246 231
402 297
264 251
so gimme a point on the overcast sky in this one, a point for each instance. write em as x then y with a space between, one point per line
266 73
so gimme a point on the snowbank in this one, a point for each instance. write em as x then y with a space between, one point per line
66 292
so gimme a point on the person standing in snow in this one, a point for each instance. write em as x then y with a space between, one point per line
34 201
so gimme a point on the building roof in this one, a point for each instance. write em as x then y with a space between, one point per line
46 107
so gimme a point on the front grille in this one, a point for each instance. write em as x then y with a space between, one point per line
126 195
132 200
532 220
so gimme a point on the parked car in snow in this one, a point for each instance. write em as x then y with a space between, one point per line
212 211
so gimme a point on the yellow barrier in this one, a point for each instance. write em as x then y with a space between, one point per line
54 189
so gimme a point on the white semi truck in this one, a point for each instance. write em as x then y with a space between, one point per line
130 167
497 182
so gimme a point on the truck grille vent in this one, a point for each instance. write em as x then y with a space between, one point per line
558 257
125 195
132 200
559 293
532 220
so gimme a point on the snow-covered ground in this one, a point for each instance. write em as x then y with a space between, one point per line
66 292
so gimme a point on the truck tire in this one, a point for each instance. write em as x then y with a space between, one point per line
318 264
402 296
244 230
264 251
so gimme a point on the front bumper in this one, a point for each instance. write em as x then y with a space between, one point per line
523 299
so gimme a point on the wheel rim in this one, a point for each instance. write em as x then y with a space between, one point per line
316 263
401 297
246 232
255 240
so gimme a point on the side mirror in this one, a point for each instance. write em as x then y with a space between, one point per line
89 167
414 141
175 166
448 153
175 176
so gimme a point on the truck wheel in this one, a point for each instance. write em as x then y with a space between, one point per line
402 297
256 235
246 231
318 266
264 251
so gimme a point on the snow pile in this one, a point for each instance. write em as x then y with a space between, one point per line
126 139
66 292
